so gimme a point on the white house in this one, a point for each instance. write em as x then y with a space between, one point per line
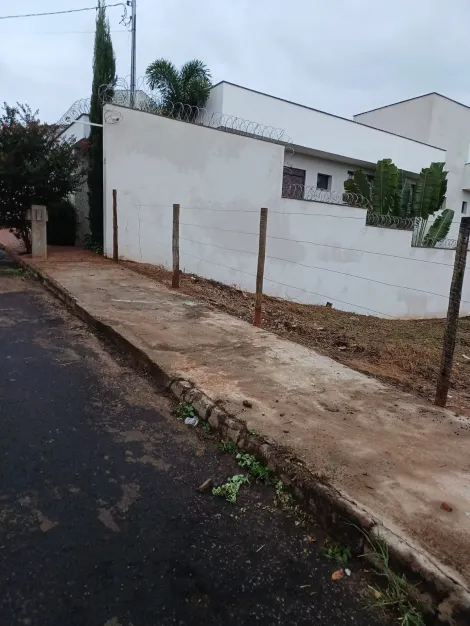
438 120
322 149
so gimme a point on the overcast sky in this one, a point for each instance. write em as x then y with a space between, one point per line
340 56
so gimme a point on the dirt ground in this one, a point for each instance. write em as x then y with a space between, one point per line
402 352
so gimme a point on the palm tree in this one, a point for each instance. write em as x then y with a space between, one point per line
188 86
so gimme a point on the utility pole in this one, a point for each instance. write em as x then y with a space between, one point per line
133 3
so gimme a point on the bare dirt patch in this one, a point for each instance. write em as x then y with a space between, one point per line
402 352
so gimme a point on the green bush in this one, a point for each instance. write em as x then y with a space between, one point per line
62 223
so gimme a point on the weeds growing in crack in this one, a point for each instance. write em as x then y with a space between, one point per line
258 470
286 502
338 553
396 595
17 271
205 426
230 489
228 447
184 410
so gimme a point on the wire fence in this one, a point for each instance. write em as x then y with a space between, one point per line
223 244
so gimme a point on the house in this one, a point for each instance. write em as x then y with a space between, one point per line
322 150
438 120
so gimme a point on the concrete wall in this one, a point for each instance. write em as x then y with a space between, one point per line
438 121
325 253
410 118
323 132
78 129
316 165
316 252
154 162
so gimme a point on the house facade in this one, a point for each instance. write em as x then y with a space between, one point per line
440 121
322 150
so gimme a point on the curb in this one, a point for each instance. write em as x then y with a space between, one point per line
440 594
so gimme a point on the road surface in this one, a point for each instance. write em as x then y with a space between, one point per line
101 520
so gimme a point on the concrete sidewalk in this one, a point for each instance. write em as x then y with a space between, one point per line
394 457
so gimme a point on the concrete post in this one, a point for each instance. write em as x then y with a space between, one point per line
38 216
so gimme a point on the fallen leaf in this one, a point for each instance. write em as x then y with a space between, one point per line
338 575
310 539
377 594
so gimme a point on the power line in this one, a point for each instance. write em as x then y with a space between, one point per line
56 32
10 17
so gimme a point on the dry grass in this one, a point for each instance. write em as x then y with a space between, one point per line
403 352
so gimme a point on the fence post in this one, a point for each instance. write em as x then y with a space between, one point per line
263 226
175 280
455 296
115 229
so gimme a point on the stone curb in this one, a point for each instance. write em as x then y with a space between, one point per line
440 594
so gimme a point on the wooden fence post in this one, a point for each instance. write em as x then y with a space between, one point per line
455 296
175 280
115 229
263 226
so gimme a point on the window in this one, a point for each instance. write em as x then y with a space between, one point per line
370 177
323 182
464 207
293 183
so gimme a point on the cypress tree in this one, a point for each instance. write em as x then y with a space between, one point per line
104 73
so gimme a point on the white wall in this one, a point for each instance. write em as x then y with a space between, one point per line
410 118
438 121
324 132
316 252
316 165
356 267
78 129
154 162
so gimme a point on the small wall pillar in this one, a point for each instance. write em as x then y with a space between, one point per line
38 217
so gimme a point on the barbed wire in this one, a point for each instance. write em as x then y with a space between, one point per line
389 221
78 108
297 191
119 94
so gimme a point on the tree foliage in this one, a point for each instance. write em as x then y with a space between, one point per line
36 167
104 79
189 85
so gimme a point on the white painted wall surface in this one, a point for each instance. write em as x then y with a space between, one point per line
316 165
438 121
356 267
78 129
410 118
215 176
324 132
316 252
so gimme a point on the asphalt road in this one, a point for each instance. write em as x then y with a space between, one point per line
101 519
